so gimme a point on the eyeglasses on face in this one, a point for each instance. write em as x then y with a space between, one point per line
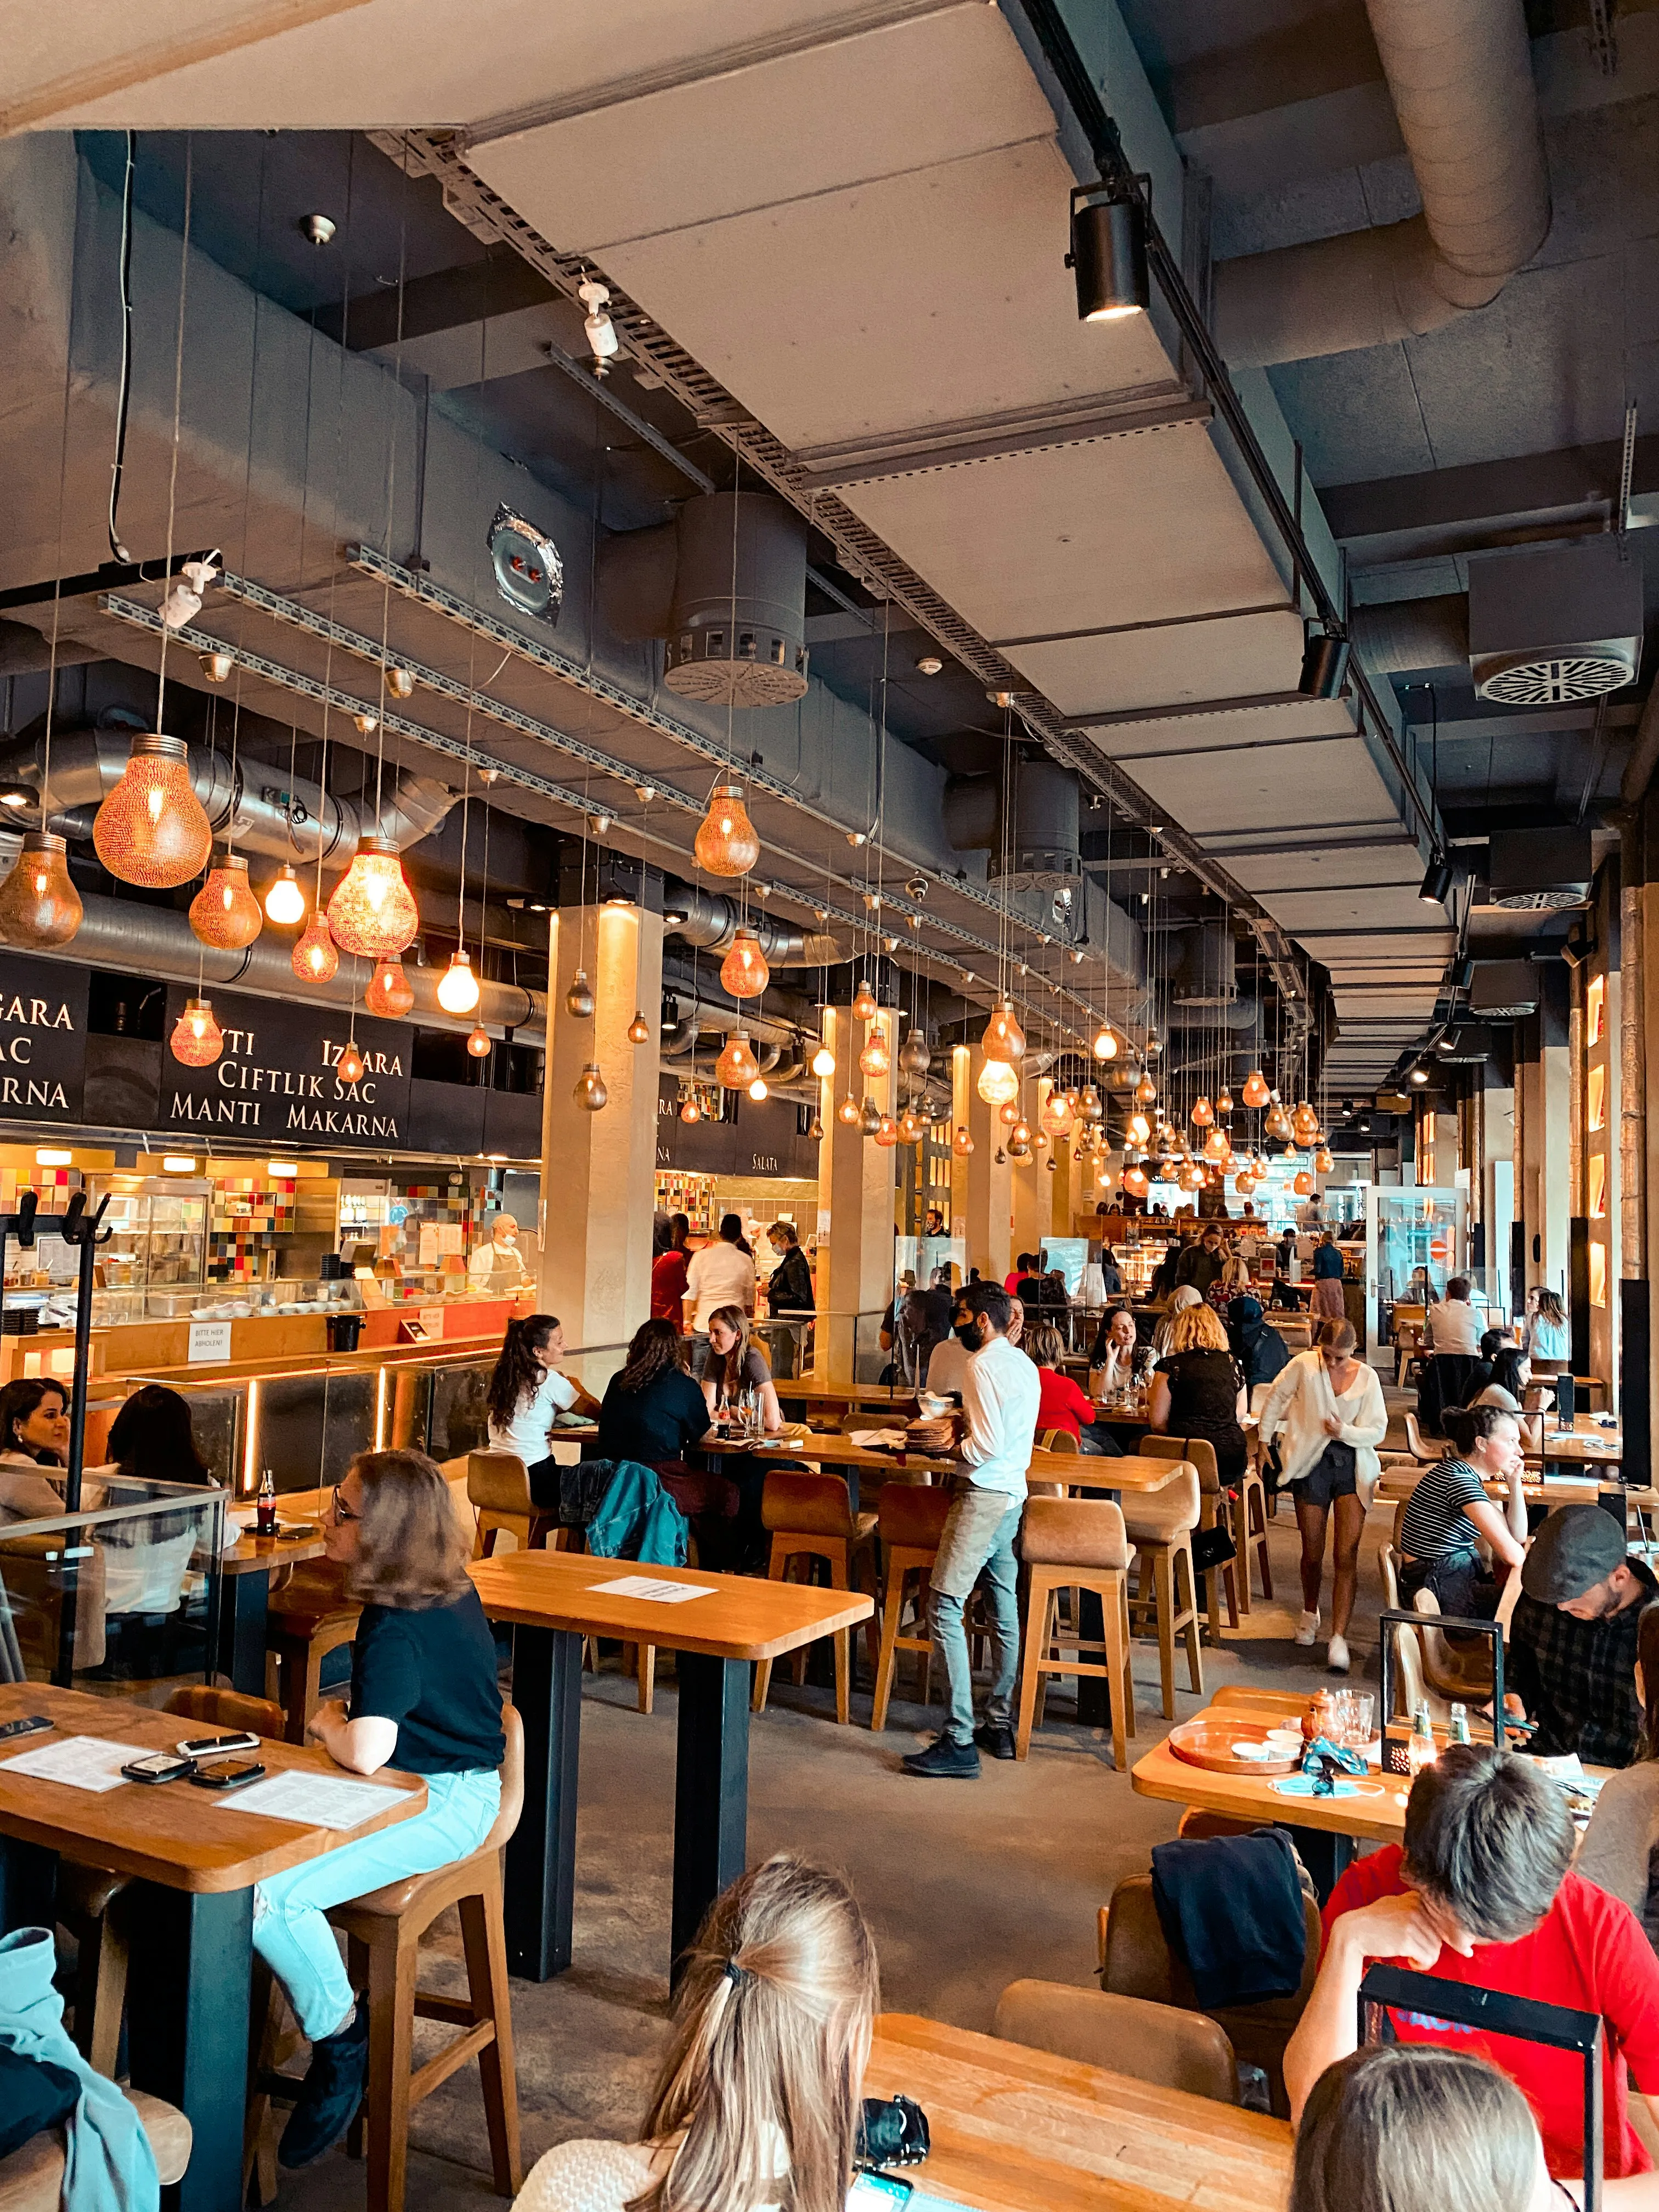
343 1512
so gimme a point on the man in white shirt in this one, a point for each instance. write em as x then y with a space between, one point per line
719 1275
496 1261
999 1393
1453 1324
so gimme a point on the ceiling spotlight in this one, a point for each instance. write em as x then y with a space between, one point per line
929 664
1324 665
318 228
1436 882
182 601
858 836
216 666
645 793
1001 698
1108 260
602 339
600 823
400 683
1419 1075
365 725
487 774
16 796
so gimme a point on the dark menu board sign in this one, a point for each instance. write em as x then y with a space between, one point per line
43 1039
277 1081
763 1140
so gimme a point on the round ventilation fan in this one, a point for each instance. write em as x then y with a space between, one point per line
529 573
1556 679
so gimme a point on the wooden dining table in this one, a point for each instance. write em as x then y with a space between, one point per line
196 1857
1013 2129
553 1600
247 1572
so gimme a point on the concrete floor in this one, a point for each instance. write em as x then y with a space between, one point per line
968 1885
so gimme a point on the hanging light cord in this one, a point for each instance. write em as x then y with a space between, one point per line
124 394
178 405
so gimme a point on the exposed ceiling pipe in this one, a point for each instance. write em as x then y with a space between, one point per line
263 809
709 921
25 652
122 935
1460 75
692 1012
1403 635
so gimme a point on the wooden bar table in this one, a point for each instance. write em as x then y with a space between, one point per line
199 1857
553 1599
1012 2127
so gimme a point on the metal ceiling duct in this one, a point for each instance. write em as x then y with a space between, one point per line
1204 967
130 938
709 921
1553 623
1040 849
1401 636
1537 871
263 808
1502 990
1460 75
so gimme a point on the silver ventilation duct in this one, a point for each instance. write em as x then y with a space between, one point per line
156 941
1401 636
1460 73
709 921
1040 848
263 809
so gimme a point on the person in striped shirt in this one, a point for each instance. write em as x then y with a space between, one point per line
1449 1513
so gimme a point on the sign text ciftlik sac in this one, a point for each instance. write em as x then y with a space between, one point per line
276 1077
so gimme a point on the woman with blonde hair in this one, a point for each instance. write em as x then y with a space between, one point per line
1327 1410
736 1365
1397 2126
423 1698
1198 1386
758 2100
1233 1282
1184 1296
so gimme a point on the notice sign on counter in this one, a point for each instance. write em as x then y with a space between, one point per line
276 1080
209 1339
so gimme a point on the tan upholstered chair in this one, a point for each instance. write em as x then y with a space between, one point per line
1075 1544
1126 2035
811 1517
1160 1525
1136 1961
310 1616
909 1523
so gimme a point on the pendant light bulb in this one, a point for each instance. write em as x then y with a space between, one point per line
961 1144
1146 1091
390 993
1224 1103
873 1060
478 1042
1008 1112
887 1134
757 1090
315 959
915 1060
1088 1104
578 999
744 971
726 843
1203 1113
1322 1161
815 1134
197 1039
1139 1128
349 1067
864 1003
823 1063
736 1067
373 912
1256 1088
847 1112
39 907
639 1029
1004 1039
1301 1183
870 1117
690 1111
224 914
1056 1116
285 902
457 987
590 1093
998 1083
152 831
1105 1046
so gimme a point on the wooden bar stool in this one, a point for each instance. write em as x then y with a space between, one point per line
310 1616
1160 1523
909 1522
384 1931
812 1517
1075 1544
498 1491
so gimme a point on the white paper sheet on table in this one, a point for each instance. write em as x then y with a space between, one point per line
85 1762
316 1801
646 1586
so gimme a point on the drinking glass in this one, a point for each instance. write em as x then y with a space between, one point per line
1358 1718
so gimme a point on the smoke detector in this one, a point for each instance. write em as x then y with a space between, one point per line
1549 624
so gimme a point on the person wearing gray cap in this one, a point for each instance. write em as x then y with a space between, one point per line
1572 1657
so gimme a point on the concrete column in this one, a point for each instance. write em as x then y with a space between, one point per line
962 1106
856 1202
1497 1108
990 1183
599 1170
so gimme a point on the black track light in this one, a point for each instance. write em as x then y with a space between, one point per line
1324 665
1437 881
1109 251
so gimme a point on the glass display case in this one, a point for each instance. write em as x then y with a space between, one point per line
152 1266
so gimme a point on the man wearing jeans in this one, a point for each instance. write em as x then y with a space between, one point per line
999 1393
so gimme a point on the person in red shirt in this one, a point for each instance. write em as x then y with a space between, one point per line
1482 1892
1023 1267
1060 1403
668 1272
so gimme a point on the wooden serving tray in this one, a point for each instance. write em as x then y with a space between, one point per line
1208 1743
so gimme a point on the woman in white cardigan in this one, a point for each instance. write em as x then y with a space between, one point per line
1326 1407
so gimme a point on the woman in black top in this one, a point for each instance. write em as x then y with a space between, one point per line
424 1700
652 1410
789 1286
1198 1388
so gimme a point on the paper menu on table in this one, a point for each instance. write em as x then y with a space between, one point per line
84 1762
649 1588
315 1801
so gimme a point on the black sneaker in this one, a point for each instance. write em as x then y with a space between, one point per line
945 1760
331 2092
995 1737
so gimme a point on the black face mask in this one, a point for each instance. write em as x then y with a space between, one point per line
967 1334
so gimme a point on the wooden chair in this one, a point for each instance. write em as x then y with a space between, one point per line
1273 1701
1425 1451
310 1616
1136 1961
1217 1511
1126 2035
1076 1544
1160 1525
909 1523
811 1517
32 2176
384 1931
1463 1677
498 1491
92 1903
